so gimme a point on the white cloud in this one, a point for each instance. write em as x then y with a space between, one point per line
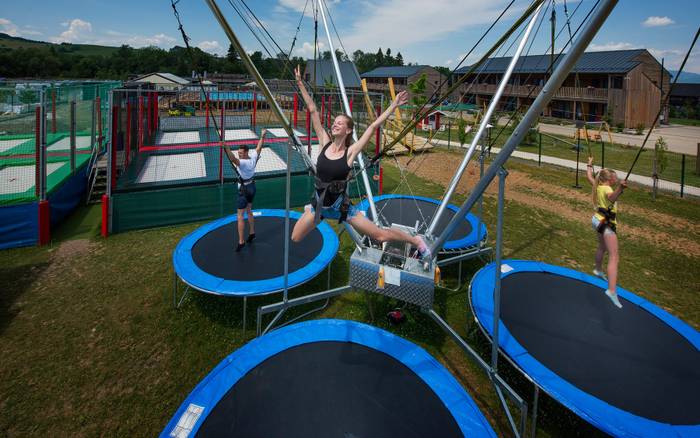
307 49
212 47
611 46
401 23
10 28
78 31
657 22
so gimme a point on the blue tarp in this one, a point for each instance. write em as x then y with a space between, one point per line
19 225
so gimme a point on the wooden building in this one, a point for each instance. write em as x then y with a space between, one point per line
628 86
377 79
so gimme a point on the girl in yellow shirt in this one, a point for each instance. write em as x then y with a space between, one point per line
604 221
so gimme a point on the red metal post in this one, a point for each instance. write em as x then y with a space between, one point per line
155 113
127 146
44 222
296 110
105 215
37 148
148 114
381 180
139 127
223 129
377 134
351 106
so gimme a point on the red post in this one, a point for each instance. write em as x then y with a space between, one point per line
223 129
115 120
329 108
127 146
255 107
350 106
37 148
44 223
53 111
139 127
308 128
323 109
296 110
148 114
105 215
155 112
206 111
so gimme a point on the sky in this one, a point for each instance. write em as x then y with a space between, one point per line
435 32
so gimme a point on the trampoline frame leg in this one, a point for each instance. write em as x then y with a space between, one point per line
535 406
177 303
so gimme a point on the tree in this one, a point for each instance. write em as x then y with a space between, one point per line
379 58
28 96
417 90
399 59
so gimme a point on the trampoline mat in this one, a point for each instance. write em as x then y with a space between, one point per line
333 389
215 253
626 357
407 211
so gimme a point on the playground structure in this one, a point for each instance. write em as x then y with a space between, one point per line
158 162
48 143
584 131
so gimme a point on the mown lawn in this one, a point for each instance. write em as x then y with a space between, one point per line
91 344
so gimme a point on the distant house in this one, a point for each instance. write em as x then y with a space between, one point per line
377 79
163 81
685 94
325 73
626 85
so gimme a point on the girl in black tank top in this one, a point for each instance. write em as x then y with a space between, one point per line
329 170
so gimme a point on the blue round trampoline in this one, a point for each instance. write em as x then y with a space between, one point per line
206 259
633 371
411 210
329 378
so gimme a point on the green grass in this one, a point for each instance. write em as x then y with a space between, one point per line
688 122
91 344
617 156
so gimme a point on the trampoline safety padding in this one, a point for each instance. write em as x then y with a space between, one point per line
206 259
633 371
329 378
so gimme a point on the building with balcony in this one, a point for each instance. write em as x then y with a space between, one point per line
625 86
377 79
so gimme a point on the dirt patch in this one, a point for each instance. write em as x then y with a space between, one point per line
66 256
522 188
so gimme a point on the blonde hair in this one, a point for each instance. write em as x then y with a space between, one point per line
604 175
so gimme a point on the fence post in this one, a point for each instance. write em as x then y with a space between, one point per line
37 155
539 150
682 174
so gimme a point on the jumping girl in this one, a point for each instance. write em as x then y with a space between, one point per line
604 222
333 169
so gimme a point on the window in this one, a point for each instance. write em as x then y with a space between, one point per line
616 82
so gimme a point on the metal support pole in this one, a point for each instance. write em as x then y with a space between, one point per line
539 150
449 135
558 76
346 106
682 174
42 147
72 136
273 104
482 126
93 126
110 145
502 174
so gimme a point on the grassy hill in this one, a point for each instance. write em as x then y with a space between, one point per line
10 42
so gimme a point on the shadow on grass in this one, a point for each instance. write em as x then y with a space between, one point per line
83 223
16 281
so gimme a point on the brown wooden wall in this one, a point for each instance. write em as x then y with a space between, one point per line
643 98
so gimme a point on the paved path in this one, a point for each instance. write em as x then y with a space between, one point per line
570 164
681 139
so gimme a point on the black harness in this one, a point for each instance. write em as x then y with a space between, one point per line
335 187
608 217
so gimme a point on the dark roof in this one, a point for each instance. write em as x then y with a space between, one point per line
685 90
615 61
402 71
326 73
